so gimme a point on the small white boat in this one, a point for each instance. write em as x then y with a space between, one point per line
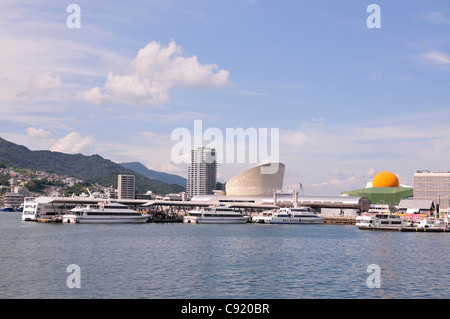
31 209
215 215
294 215
432 223
107 212
265 217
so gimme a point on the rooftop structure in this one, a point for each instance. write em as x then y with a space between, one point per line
385 188
257 181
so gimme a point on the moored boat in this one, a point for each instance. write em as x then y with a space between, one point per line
380 221
7 208
433 223
294 215
109 211
215 215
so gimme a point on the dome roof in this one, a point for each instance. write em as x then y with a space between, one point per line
385 179
256 182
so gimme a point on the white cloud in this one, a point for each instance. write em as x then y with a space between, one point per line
43 82
31 131
435 17
73 143
435 57
150 76
339 158
292 138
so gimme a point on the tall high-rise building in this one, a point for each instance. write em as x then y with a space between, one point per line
434 186
126 187
202 173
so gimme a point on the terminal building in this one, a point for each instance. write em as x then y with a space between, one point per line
255 189
433 186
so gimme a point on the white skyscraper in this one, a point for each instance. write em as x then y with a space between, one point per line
202 173
126 187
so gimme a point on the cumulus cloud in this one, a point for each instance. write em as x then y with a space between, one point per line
73 143
31 131
42 83
153 72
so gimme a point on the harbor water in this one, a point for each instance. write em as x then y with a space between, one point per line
175 260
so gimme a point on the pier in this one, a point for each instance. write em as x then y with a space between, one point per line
339 220
48 220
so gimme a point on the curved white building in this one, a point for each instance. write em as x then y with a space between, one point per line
261 180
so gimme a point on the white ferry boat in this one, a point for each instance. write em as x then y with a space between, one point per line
294 215
265 217
215 215
433 223
107 212
373 221
35 208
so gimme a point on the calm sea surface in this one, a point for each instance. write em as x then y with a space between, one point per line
218 261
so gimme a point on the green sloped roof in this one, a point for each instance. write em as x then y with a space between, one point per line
383 195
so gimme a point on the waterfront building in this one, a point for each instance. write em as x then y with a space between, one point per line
126 187
254 189
256 182
416 206
433 186
385 188
202 173
13 199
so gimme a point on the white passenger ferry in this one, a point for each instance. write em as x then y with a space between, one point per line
109 211
215 215
373 221
294 215
35 208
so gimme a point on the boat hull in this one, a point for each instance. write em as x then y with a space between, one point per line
218 220
110 220
297 222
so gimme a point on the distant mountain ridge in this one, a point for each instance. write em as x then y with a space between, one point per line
93 169
163 177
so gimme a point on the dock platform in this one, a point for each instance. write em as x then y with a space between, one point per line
49 220
339 220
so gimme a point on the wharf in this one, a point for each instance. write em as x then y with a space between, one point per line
339 220
49 220
165 220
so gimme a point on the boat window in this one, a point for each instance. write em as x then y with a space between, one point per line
112 214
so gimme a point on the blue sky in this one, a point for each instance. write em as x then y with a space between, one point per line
349 101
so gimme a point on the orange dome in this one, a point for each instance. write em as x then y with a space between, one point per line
385 179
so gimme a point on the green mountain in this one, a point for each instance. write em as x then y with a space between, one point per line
160 176
92 168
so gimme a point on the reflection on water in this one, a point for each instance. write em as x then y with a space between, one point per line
218 261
